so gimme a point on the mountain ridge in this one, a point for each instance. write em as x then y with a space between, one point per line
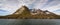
25 13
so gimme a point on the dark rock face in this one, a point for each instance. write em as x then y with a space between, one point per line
24 13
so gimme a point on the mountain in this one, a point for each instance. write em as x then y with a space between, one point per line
25 13
20 13
39 14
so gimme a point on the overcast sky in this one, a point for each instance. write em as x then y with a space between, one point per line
10 6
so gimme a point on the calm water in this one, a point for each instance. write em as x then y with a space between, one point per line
29 22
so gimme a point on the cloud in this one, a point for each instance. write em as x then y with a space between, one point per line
45 3
50 5
39 3
9 5
3 10
26 2
57 11
53 9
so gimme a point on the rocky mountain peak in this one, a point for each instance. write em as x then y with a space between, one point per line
22 9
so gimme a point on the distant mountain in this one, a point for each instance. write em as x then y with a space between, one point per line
25 13
39 14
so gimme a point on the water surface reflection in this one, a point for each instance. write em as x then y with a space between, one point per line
29 22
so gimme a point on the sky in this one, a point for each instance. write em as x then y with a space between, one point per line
8 7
